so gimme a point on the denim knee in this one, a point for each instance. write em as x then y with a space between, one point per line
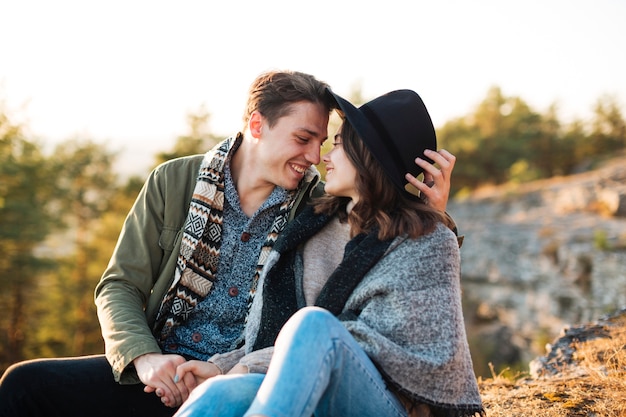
227 387
224 396
314 317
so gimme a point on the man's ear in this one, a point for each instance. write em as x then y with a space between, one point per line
256 124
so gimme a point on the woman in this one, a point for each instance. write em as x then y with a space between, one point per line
386 335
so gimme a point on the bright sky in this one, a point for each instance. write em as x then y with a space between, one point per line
126 72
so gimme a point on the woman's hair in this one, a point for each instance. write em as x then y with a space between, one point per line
381 205
273 93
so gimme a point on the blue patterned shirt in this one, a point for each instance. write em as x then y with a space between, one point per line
216 324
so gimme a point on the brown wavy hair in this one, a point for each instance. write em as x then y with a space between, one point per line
381 205
273 94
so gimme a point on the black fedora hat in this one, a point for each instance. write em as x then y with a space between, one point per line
396 128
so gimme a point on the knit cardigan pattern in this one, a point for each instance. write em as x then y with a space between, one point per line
400 300
196 268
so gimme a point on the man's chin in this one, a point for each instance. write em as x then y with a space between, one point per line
292 183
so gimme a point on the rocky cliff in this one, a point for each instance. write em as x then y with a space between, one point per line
539 257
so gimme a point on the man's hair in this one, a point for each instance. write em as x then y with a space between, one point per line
381 205
273 93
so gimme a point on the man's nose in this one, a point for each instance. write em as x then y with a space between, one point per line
313 154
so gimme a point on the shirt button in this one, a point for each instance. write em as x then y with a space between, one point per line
196 337
233 291
245 236
172 346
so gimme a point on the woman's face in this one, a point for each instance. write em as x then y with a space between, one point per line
340 173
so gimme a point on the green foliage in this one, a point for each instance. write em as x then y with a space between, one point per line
197 140
600 240
25 220
504 140
87 187
47 280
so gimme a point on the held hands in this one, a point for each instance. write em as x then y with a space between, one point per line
171 377
436 184
192 373
157 372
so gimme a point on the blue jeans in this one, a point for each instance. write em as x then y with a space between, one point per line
317 369
79 387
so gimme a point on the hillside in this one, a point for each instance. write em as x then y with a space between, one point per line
539 257
544 281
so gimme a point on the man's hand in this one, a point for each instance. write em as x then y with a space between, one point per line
157 372
436 184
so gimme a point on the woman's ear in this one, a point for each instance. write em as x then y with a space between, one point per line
255 124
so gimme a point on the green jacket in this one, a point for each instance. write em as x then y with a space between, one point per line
141 269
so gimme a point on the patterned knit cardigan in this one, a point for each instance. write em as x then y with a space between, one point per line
400 299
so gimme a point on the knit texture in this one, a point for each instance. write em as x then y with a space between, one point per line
400 300
279 291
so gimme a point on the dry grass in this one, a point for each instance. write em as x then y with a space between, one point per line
594 386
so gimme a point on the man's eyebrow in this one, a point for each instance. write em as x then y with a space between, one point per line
312 132
309 131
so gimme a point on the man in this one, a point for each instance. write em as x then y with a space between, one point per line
184 271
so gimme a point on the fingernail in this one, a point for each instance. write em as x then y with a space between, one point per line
176 378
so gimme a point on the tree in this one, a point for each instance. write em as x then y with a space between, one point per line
490 140
198 140
86 187
608 131
25 188
504 140
546 148
62 301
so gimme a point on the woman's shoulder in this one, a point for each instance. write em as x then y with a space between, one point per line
440 236
442 232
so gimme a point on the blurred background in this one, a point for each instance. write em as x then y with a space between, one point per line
528 95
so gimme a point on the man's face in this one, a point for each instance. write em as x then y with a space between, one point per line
293 144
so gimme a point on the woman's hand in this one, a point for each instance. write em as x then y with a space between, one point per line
436 185
192 373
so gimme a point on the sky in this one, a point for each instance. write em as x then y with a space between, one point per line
127 72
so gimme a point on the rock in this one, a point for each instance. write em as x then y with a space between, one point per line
560 358
613 200
542 256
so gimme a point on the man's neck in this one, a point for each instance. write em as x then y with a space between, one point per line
246 176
